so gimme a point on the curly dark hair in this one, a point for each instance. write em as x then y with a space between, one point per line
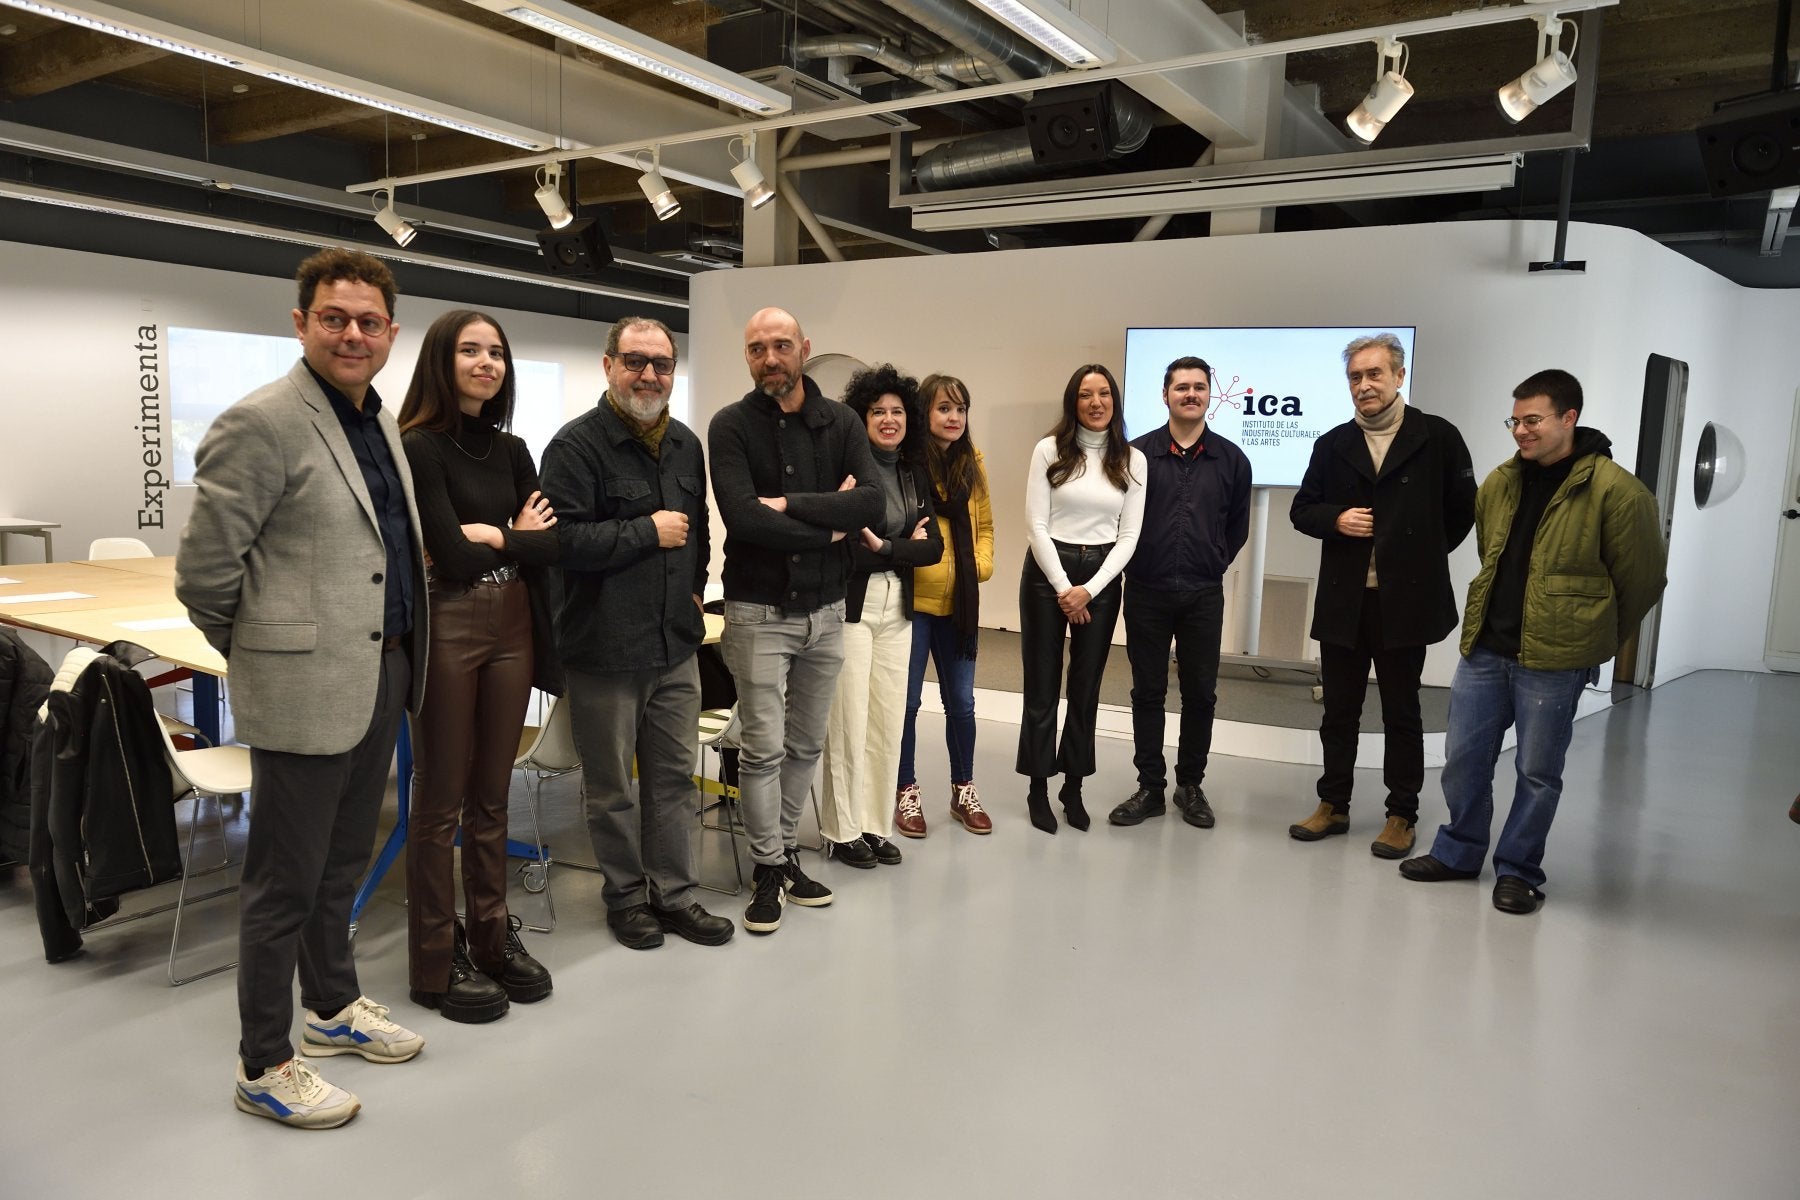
871 384
334 264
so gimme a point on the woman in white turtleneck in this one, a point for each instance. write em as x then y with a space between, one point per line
1084 504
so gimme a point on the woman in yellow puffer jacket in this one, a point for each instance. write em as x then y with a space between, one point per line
947 604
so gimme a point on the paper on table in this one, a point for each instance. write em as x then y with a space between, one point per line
149 626
4 581
40 597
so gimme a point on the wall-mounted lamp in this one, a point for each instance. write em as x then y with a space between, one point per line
1386 97
393 224
656 190
757 191
550 198
1553 73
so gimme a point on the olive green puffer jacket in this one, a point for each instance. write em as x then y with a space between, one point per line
1596 564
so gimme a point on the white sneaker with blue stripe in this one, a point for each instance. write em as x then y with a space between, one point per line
361 1028
294 1094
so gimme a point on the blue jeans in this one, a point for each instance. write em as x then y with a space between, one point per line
1489 693
937 637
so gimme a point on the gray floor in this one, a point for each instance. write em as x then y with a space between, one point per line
1150 1012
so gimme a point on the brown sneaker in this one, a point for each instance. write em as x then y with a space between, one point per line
1395 839
1322 824
965 806
909 817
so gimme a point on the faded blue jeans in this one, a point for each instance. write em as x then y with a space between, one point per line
1489 693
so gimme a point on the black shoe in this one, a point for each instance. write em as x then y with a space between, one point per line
1426 869
635 926
854 853
1190 798
1137 808
1037 801
802 890
886 853
472 998
525 978
696 925
1073 809
763 913
1514 895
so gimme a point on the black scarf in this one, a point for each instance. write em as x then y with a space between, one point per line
965 596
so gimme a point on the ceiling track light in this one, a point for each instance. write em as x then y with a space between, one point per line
550 198
1386 97
749 177
1552 74
662 201
393 224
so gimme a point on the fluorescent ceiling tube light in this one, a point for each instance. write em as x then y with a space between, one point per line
1387 96
1552 75
614 40
124 27
550 198
394 225
662 201
1056 29
749 176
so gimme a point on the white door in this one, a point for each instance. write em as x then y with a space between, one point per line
1781 652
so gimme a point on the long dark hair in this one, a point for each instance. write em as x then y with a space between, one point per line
953 471
431 398
1070 461
871 384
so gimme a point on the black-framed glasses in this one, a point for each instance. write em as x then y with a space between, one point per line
1529 421
332 321
635 363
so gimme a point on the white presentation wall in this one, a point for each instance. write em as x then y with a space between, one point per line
87 408
1014 324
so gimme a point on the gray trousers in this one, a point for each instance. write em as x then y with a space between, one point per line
786 668
312 827
642 830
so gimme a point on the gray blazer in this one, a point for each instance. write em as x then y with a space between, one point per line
281 568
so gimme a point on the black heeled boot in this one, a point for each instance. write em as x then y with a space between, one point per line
1038 801
1073 809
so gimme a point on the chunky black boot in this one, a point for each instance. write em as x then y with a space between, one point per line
1038 801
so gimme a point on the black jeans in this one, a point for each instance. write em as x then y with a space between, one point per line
1041 625
1194 621
1344 672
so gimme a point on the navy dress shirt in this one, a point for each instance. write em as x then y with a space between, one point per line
382 477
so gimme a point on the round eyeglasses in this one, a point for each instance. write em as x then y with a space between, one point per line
332 321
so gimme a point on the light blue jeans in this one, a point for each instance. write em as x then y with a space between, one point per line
1489 693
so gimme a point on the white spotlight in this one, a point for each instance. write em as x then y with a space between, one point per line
1552 75
1387 96
757 191
393 224
549 196
662 201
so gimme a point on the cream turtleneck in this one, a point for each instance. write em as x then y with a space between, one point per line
1378 433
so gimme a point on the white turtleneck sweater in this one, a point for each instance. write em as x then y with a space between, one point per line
1378 434
1086 511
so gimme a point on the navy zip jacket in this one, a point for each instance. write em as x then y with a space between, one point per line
1196 512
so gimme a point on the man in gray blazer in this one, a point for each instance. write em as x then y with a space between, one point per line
301 564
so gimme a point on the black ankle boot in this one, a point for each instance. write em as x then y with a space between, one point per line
1038 801
1073 809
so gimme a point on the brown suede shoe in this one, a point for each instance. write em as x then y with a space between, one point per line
1394 841
1322 824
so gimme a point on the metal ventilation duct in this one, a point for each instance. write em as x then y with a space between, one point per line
1005 155
1012 57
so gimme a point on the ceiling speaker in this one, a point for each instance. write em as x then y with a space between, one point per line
1071 126
1752 145
578 249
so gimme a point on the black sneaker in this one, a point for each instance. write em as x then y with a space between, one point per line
1137 808
763 913
1190 798
524 977
807 893
472 998
886 853
854 853
695 924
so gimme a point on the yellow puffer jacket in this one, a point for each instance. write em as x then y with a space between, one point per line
933 586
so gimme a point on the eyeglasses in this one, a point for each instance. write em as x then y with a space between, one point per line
635 363
332 321
1531 421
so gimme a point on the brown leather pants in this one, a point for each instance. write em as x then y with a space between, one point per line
478 680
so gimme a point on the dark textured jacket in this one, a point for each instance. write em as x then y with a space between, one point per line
24 682
627 603
788 559
1196 513
1424 504
904 553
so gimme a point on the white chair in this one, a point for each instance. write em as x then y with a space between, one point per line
216 771
551 754
119 547
718 731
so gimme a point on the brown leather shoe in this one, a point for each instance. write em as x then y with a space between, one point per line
1322 824
965 806
1395 839
909 817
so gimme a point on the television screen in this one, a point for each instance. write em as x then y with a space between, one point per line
1273 390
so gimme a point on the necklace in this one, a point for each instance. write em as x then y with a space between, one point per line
492 438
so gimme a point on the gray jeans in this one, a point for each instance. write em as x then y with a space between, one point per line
641 829
786 669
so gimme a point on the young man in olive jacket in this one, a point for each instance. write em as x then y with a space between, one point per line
1389 493
1572 557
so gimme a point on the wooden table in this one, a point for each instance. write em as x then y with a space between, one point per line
26 527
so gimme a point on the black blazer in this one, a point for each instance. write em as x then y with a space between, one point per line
1424 502
905 553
